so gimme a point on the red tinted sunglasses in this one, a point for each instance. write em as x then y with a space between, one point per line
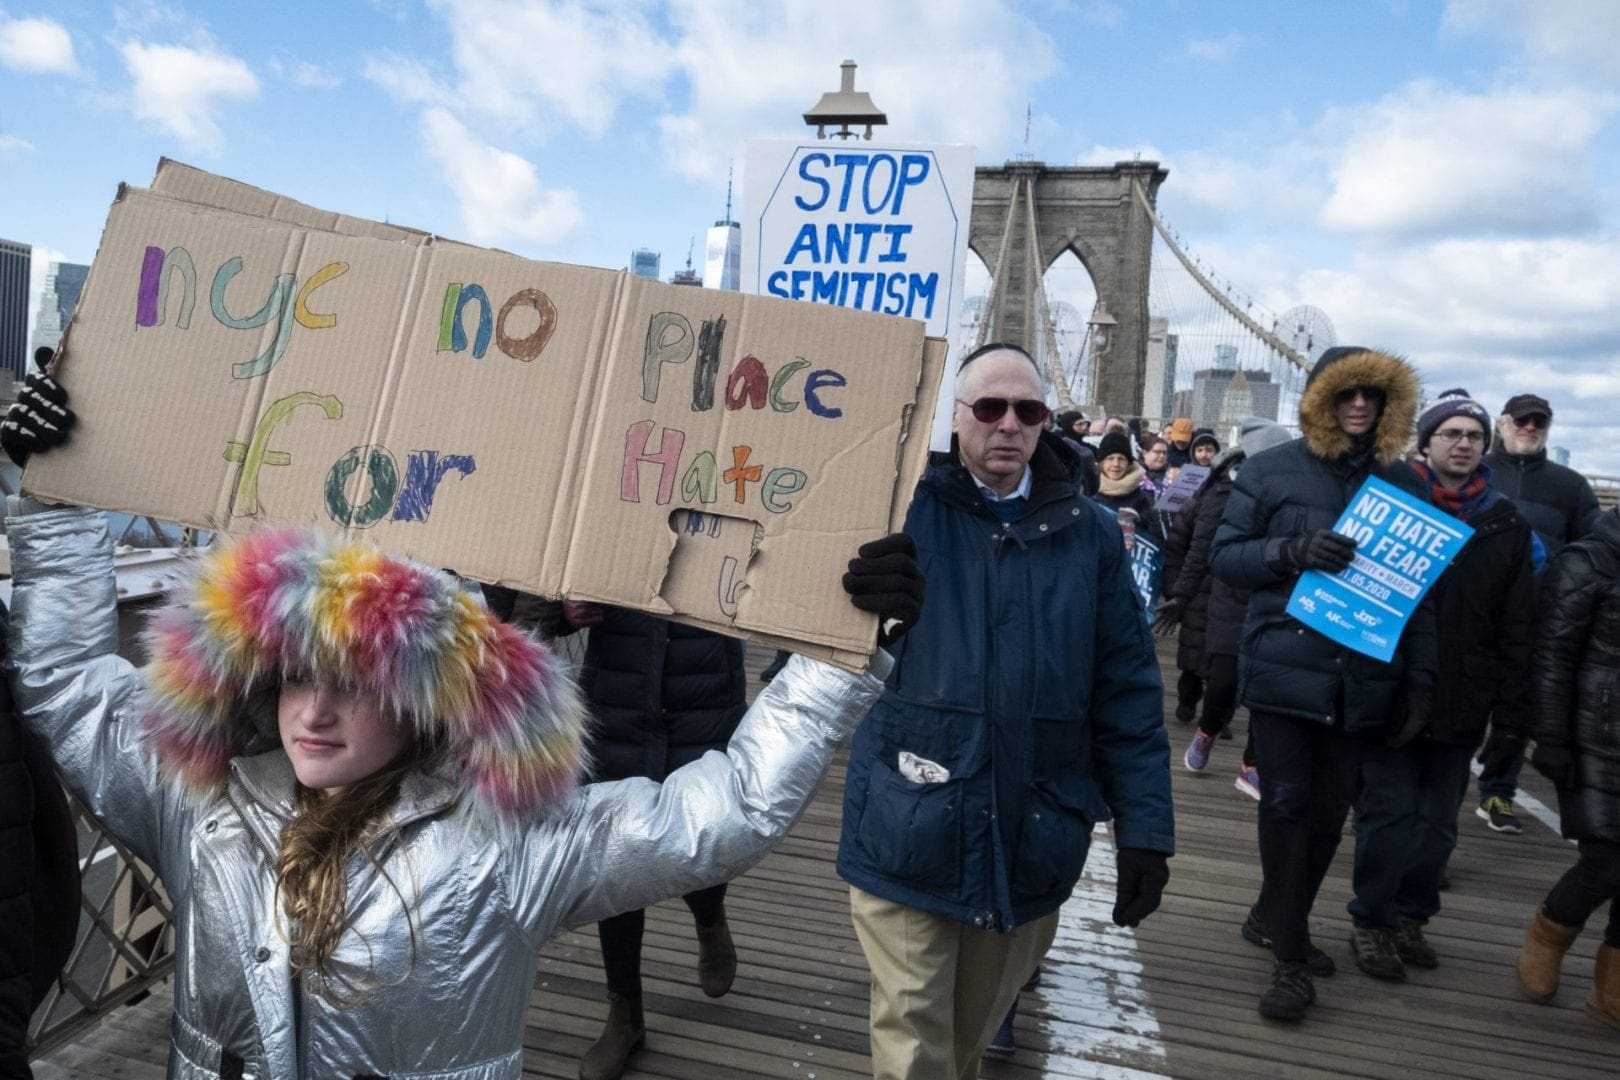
989 410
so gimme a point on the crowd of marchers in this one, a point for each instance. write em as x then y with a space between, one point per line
372 790
1518 644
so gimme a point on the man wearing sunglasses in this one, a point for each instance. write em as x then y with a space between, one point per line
1560 505
1314 705
1024 707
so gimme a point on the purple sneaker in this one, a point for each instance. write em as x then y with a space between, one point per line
1248 781
1197 757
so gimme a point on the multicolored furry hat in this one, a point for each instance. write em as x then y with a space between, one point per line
283 602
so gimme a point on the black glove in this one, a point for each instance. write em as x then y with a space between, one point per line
1500 752
38 421
1167 616
1321 549
884 578
1557 764
1143 874
1414 716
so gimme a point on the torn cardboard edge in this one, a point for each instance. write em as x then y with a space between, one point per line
181 187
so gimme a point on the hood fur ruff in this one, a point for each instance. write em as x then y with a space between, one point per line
1364 367
283 602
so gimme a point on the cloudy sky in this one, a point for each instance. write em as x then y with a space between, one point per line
1440 177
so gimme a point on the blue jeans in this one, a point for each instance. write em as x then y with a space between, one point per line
1406 827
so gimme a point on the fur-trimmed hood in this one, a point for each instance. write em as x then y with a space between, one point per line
1348 367
283 602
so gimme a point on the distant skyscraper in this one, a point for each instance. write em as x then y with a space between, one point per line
722 260
644 263
63 283
1159 379
1559 455
15 260
1220 397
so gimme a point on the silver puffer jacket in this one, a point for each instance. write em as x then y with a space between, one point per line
450 1003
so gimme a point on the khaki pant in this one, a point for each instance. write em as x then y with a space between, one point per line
939 987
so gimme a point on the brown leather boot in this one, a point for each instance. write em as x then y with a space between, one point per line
1544 947
622 1035
1604 1000
717 959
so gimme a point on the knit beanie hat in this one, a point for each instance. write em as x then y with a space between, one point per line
1450 403
282 603
1204 435
1180 430
1114 443
1256 433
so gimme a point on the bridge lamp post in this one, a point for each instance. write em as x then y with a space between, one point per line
1100 333
845 106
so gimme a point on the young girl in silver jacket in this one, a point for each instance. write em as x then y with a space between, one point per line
358 787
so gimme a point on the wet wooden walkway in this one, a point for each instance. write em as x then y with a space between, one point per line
1174 998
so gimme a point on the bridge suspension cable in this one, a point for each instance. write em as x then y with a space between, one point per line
1271 340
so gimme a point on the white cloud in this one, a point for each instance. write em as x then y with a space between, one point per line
36 45
13 146
182 90
502 199
1428 160
1583 31
303 73
725 70
534 62
747 68
1217 49
405 79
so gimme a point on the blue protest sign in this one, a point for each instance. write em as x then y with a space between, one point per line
1147 561
1402 546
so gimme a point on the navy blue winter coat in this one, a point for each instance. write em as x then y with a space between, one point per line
1031 679
1284 668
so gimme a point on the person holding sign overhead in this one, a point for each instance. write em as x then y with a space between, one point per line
1314 704
359 788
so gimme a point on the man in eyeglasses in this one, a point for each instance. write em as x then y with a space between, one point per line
1412 787
1314 704
1560 505
1024 707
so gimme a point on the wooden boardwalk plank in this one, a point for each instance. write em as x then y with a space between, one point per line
1174 998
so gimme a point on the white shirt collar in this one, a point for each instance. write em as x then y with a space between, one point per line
1019 492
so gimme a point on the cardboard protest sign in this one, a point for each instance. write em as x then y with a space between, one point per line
1181 490
707 456
1147 563
1403 545
878 227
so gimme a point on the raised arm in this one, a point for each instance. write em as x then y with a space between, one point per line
631 843
69 682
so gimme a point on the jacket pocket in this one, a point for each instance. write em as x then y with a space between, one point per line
1054 836
912 831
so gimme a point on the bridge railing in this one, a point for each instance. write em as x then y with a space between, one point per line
1607 489
125 942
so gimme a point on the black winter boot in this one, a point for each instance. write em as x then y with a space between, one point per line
717 959
624 1033
1291 993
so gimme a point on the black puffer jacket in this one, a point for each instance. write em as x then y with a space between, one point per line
1486 623
1556 500
16 913
661 694
1283 667
1576 672
1219 607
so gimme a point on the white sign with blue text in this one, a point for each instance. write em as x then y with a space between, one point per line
878 227
1403 545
